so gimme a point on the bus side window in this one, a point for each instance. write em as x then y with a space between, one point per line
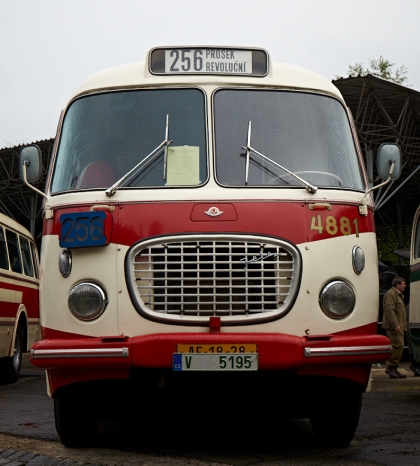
35 259
416 254
28 266
4 259
14 254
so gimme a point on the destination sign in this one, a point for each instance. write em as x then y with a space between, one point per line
208 60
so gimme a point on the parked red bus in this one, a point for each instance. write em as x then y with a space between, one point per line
208 229
19 297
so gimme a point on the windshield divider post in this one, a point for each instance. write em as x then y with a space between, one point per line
165 156
247 153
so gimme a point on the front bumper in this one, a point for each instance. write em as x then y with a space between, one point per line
276 351
77 360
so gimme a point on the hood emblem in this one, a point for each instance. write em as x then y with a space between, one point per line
213 212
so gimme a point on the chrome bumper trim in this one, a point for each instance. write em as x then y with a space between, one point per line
80 353
349 350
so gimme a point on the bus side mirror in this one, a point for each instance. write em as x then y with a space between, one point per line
30 157
389 154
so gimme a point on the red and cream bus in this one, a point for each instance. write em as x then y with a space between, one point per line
208 226
19 297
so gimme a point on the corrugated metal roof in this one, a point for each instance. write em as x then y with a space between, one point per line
38 141
15 196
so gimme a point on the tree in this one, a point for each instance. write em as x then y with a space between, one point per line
382 68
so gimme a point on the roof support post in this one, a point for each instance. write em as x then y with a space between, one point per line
400 231
32 214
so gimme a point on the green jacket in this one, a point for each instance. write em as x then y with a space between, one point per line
395 313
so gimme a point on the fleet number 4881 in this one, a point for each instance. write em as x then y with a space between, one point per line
333 225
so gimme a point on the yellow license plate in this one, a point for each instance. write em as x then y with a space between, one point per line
222 348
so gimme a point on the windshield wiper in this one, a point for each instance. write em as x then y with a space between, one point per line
249 149
143 163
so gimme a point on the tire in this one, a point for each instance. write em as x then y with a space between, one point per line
75 420
336 420
11 366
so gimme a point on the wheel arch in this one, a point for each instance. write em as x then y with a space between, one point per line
22 320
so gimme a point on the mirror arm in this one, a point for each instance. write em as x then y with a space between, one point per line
24 165
363 210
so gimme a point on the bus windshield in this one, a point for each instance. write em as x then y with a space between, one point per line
307 134
105 135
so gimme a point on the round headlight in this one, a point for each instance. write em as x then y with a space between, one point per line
64 262
87 301
358 259
337 299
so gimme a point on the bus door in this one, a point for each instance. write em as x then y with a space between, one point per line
414 311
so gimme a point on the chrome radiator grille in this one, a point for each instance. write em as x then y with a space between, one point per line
186 279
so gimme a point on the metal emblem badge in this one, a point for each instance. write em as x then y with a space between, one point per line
213 212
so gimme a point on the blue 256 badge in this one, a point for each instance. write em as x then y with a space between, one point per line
84 229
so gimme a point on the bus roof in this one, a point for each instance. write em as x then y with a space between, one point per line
134 75
9 222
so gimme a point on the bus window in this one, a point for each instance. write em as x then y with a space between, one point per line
416 252
14 254
307 134
34 256
106 135
26 256
4 260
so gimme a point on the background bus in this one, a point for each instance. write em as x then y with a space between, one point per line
414 308
19 297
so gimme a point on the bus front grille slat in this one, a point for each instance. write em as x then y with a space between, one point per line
240 278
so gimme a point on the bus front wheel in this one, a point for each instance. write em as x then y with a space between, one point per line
11 366
336 418
75 420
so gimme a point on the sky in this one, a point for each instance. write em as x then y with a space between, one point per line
49 46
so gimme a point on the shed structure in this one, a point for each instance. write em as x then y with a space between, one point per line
387 112
17 200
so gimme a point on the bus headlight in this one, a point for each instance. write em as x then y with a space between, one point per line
358 259
337 299
64 262
87 301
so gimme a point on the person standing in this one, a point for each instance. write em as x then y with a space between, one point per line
395 323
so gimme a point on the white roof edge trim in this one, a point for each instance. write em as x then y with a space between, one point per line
14 225
137 74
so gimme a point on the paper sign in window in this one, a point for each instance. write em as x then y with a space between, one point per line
183 165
